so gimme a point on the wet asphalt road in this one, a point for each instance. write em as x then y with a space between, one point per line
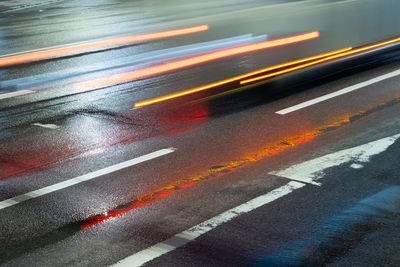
217 151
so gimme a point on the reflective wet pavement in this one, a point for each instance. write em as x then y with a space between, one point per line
85 181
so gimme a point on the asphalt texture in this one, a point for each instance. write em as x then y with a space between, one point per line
226 146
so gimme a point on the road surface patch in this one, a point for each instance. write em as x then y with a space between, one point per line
213 172
71 229
340 233
194 232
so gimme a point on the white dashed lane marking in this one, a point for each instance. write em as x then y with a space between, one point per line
338 93
48 126
83 178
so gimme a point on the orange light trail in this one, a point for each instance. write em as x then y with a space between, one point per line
27 57
129 76
320 61
212 85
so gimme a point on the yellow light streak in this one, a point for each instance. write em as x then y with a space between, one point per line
212 85
320 61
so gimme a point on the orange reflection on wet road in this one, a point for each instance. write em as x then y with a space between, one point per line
270 150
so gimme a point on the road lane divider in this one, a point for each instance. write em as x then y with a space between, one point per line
50 52
338 93
83 178
48 125
181 239
178 64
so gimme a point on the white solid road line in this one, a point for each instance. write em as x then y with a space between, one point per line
312 170
338 93
48 126
86 177
190 234
16 93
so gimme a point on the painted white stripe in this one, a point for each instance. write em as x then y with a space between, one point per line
338 93
86 177
49 126
190 234
312 170
16 93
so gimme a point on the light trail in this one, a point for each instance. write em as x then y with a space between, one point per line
362 49
53 52
129 76
317 59
212 85
154 55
